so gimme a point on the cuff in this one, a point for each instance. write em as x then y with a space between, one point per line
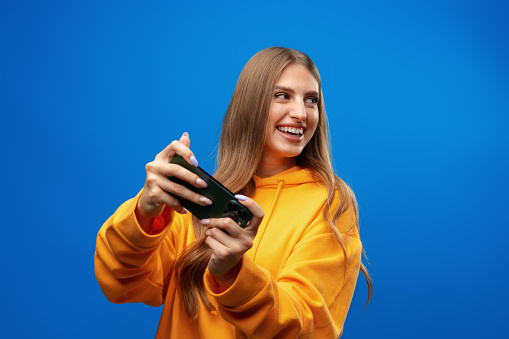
250 281
128 225
161 221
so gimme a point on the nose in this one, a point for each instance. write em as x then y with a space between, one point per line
298 111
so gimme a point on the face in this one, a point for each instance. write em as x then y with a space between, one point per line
293 114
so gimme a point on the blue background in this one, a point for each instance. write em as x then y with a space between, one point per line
417 98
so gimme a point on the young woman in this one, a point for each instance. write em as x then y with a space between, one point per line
291 273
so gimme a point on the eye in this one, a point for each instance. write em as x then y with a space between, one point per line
281 96
312 100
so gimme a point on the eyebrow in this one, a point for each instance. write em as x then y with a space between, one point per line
290 90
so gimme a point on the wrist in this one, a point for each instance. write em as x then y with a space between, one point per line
145 220
224 281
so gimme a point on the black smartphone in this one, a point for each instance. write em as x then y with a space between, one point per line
224 203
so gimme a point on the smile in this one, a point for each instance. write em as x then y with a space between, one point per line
291 130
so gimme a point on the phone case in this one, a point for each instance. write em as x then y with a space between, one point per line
224 203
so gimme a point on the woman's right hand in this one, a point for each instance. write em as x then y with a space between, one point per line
157 189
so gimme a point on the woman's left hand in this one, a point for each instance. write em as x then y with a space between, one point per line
228 248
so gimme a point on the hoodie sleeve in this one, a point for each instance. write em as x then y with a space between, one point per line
130 265
309 297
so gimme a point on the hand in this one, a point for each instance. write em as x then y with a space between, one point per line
228 248
157 189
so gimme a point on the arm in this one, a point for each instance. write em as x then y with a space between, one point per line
131 264
309 297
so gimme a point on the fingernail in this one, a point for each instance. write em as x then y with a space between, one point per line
240 197
205 201
194 161
186 134
185 211
201 183
205 221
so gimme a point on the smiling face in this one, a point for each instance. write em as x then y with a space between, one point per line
293 117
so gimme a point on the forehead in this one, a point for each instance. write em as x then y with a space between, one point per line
298 76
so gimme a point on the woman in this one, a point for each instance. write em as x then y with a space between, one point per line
291 273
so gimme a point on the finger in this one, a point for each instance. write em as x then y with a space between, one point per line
159 197
217 248
177 171
255 209
220 236
175 147
224 224
184 139
237 240
181 191
180 148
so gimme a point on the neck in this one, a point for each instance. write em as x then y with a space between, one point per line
269 166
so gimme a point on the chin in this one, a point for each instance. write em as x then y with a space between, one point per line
291 153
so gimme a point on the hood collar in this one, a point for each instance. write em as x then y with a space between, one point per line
291 177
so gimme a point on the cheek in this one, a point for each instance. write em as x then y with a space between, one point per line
276 113
313 121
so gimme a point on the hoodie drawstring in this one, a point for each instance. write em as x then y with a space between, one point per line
269 215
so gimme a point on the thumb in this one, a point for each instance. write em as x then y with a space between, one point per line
185 139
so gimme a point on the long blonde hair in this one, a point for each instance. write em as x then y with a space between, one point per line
240 150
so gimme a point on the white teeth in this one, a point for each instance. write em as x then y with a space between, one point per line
298 131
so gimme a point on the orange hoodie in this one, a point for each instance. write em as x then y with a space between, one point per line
293 283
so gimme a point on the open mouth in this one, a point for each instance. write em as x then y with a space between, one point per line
291 130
